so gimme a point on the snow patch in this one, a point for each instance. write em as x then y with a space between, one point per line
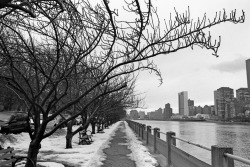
53 148
49 164
140 153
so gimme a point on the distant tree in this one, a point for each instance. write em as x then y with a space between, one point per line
40 57
9 100
107 97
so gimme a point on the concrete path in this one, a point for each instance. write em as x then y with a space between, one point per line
118 150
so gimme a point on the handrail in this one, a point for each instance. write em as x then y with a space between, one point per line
214 149
237 158
189 142
162 133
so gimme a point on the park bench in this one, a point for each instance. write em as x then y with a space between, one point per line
100 129
85 137
8 158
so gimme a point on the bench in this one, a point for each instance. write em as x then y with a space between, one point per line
7 158
85 137
99 129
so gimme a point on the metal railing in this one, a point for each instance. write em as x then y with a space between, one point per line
234 157
237 158
189 142
221 156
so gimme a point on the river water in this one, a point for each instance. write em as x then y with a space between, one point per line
207 134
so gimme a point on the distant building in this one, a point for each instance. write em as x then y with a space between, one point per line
183 103
199 110
248 72
243 94
190 102
167 112
207 110
141 115
159 114
192 110
232 108
134 114
212 110
223 96
216 98
156 115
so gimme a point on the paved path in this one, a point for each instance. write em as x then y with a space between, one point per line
118 150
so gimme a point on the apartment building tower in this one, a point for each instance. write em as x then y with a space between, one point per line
223 96
183 103
167 112
243 94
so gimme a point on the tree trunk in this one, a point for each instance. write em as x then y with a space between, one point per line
69 140
93 127
69 135
32 152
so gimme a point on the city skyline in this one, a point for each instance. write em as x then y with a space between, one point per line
183 96
198 71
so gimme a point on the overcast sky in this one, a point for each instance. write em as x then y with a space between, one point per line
198 71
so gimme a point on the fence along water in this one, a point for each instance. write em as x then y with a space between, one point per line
220 156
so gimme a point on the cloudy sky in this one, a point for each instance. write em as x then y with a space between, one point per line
198 71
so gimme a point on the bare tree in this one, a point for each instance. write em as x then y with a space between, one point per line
31 7
89 107
42 56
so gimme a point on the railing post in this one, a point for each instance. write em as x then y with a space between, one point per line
148 132
156 134
170 141
143 129
139 130
135 127
218 157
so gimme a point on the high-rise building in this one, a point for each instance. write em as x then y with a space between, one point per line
243 94
191 108
223 96
167 112
183 103
248 72
215 102
190 102
158 114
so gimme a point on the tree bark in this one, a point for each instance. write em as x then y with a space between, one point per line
69 135
33 152
93 127
69 141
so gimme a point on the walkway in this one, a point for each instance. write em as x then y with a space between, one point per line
117 152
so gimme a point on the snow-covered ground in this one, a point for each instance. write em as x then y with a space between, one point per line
54 154
140 153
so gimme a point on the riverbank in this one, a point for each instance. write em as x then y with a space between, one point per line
227 122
